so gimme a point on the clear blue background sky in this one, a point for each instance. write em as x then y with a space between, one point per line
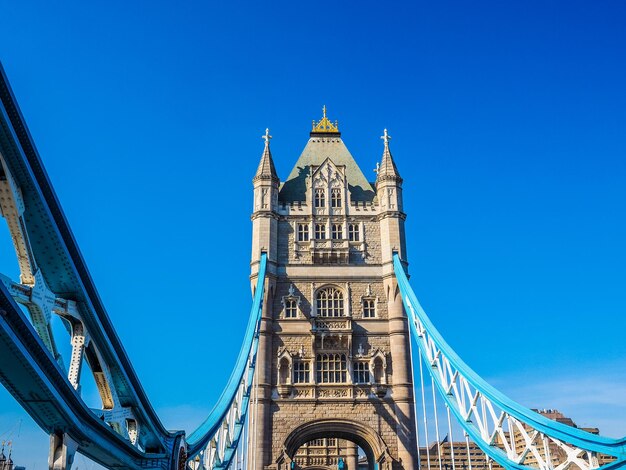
509 127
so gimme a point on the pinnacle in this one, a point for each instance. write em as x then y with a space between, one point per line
266 169
387 168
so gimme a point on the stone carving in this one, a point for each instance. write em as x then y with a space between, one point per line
333 393
302 393
331 324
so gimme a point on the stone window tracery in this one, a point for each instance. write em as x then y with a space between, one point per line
335 198
354 234
291 308
291 303
320 197
361 372
303 232
320 231
369 308
331 368
336 232
329 302
301 372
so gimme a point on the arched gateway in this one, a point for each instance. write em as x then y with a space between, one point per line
333 360
353 431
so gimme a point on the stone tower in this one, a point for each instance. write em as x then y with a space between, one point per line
334 359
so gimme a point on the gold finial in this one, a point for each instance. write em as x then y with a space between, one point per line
324 125
267 136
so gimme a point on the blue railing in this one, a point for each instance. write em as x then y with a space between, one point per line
242 375
439 355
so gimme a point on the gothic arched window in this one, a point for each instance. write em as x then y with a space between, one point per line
353 232
303 232
329 302
320 231
335 197
320 197
336 232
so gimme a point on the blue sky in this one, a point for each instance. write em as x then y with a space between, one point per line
509 127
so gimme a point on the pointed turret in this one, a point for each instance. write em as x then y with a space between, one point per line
387 168
266 169
389 194
265 214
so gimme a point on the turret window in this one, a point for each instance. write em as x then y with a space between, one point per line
361 373
303 232
291 308
301 372
320 198
331 368
329 302
335 198
320 231
369 308
336 232
354 234
291 303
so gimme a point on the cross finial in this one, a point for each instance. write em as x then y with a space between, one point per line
267 136
386 138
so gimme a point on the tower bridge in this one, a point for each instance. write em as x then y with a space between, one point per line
325 374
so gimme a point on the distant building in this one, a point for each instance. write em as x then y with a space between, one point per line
323 453
6 463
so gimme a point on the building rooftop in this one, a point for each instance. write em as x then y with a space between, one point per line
325 142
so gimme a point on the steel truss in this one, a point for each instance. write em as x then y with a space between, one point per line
511 435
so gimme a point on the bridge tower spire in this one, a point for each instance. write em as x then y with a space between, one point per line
391 219
391 215
264 240
264 217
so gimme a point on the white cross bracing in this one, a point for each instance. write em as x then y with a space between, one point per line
513 439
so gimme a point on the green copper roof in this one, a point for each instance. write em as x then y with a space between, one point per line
316 151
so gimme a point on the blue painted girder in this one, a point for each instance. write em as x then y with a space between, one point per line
199 439
567 434
65 272
34 378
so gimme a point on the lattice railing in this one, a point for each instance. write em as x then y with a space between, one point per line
221 439
508 433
